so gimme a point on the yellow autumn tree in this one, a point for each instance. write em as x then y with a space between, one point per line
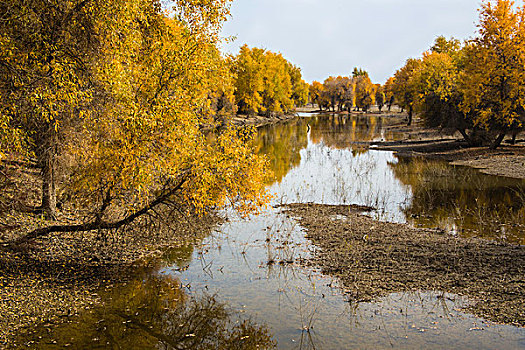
339 93
493 79
330 92
248 70
220 105
388 89
266 83
405 87
300 88
345 93
379 97
364 92
134 111
46 55
277 87
438 98
315 91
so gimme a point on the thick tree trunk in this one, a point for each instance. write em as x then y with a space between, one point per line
498 141
467 138
46 153
49 193
410 112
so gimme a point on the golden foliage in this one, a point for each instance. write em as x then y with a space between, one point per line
266 83
478 86
493 79
404 88
126 106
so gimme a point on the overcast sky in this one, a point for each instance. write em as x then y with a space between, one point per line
330 37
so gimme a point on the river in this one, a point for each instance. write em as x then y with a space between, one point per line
246 284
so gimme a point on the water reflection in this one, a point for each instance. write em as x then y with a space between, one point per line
254 266
323 159
282 143
462 200
155 313
341 131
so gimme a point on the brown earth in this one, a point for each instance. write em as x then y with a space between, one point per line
373 259
258 121
54 278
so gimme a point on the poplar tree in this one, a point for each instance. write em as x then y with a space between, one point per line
113 93
493 80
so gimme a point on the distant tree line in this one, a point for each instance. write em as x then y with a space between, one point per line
346 93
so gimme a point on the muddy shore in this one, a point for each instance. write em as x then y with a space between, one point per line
53 279
373 259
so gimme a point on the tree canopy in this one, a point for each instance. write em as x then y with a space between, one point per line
476 87
344 93
266 83
109 97
493 78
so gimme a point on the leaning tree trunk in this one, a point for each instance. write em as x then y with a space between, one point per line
498 141
466 136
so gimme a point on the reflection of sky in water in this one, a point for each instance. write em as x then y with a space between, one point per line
288 298
253 267
338 176
234 265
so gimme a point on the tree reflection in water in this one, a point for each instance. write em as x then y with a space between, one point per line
155 313
463 200
282 143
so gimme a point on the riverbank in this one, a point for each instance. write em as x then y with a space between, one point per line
374 259
258 121
418 141
53 279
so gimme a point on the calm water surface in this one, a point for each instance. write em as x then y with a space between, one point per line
244 282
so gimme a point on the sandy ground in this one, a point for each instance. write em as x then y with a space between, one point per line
507 160
374 258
